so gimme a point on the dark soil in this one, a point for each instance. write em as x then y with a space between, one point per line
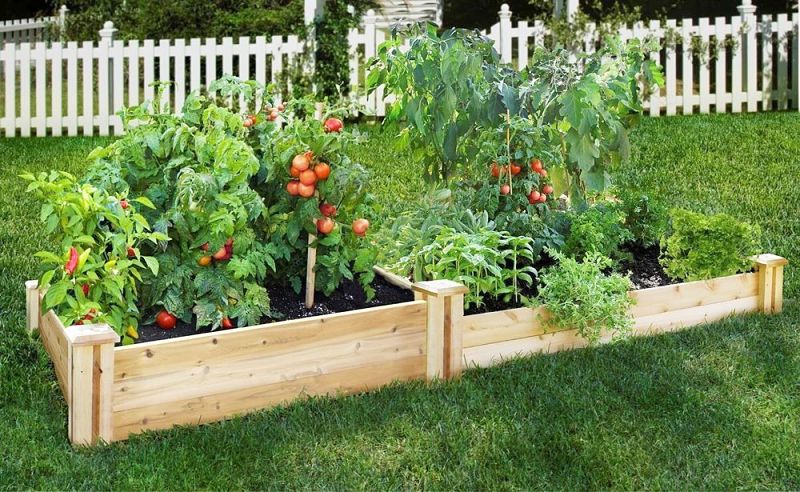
286 305
643 267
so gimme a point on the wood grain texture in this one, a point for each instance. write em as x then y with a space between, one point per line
494 353
209 349
204 365
224 405
55 341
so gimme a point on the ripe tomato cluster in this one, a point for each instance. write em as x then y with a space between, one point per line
535 195
306 172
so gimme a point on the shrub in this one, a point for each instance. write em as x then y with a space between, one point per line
597 230
645 217
580 296
700 247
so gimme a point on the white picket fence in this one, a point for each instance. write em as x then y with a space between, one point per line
729 63
30 30
69 88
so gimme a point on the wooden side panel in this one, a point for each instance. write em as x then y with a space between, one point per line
54 338
486 328
494 353
219 406
680 296
218 375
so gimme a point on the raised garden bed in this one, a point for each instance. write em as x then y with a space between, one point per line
489 338
113 392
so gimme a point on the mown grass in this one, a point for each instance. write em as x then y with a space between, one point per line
714 407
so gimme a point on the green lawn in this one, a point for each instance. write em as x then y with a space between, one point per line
714 407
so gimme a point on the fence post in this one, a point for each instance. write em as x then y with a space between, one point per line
748 12
312 9
105 76
444 345
505 33
62 22
33 308
91 383
770 282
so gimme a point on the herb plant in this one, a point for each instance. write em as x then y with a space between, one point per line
579 295
700 247
598 229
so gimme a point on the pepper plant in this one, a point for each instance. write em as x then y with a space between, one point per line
99 275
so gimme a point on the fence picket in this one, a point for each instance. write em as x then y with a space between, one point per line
25 89
736 65
655 98
766 62
87 65
133 73
10 63
163 55
55 80
687 68
179 80
720 75
671 86
704 65
71 54
783 61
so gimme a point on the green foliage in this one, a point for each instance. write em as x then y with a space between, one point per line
580 296
107 238
492 264
597 230
441 92
581 106
700 247
645 217
183 19
332 69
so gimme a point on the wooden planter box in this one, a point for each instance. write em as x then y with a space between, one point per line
488 339
113 392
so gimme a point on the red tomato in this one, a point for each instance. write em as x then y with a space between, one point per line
294 172
221 254
306 191
543 173
165 320
360 227
293 187
282 107
301 162
505 189
227 324
322 170
515 169
308 177
536 165
533 197
248 122
327 209
123 203
495 170
325 225
542 198
333 125
204 247
547 189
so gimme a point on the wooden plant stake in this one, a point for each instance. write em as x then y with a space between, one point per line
311 258
311 277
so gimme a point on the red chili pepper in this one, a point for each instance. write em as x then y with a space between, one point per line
72 263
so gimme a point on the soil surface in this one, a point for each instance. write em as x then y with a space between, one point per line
287 305
644 270
643 267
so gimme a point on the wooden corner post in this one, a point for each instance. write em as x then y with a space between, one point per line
444 345
91 379
770 282
32 305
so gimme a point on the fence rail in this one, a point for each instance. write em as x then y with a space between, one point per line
725 64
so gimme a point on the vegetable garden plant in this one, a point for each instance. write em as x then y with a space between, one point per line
191 216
